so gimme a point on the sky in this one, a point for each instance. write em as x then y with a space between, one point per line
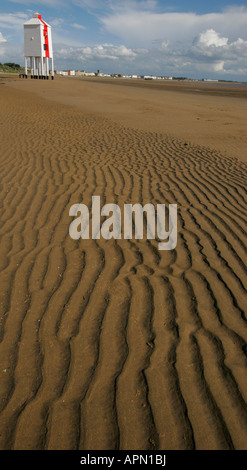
170 38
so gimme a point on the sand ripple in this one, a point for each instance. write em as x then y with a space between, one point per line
117 345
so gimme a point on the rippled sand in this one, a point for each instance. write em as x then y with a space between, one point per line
115 344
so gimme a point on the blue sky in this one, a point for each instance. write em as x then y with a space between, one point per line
178 38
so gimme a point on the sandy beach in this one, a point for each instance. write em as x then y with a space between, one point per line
114 344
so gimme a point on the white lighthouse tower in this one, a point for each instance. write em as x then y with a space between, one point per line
38 48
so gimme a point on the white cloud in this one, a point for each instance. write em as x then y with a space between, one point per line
144 27
50 3
57 22
165 44
13 20
11 53
78 26
209 43
100 51
219 66
211 38
134 5
2 39
183 43
116 5
89 4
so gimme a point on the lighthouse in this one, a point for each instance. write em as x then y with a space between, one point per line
38 48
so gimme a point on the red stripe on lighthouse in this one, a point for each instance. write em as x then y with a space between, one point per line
47 52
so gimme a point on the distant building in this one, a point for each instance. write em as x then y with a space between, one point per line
117 75
149 77
80 73
62 72
67 73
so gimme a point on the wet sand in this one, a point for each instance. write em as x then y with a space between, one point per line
116 344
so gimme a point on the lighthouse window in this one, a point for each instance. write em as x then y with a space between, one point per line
45 47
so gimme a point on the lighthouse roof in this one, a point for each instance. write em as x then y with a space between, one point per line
35 20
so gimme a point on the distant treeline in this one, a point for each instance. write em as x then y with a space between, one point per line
179 78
